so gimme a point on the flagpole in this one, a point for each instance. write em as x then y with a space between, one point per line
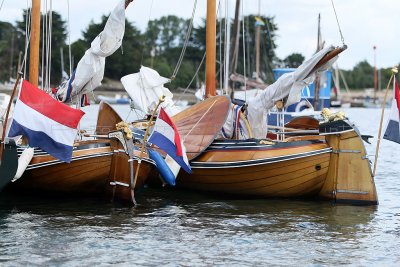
146 134
3 136
394 72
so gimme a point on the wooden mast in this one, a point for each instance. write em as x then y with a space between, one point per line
211 49
35 43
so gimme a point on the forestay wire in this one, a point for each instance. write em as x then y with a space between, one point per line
179 63
337 20
69 42
244 55
1 6
27 35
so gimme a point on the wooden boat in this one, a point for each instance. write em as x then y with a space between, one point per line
329 164
99 167
103 165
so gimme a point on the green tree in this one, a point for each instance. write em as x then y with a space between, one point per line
362 76
125 60
78 49
11 43
164 39
294 60
58 37
267 46
165 33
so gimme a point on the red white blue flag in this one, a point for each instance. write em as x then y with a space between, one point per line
45 122
166 136
392 131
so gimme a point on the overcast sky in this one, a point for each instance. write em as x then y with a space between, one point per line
364 23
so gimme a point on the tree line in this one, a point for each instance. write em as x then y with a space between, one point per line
159 46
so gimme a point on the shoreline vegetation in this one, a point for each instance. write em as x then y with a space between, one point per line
114 88
159 46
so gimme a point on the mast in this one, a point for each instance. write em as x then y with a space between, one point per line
258 45
35 43
211 48
375 76
235 40
227 47
317 83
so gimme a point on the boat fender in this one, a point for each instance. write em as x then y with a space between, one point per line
166 173
23 162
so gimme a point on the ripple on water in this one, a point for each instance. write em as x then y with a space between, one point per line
189 229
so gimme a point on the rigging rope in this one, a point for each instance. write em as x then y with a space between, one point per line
221 66
185 44
201 118
27 35
1 6
50 47
197 71
69 42
43 43
337 20
244 55
194 76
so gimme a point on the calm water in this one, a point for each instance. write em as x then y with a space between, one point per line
177 228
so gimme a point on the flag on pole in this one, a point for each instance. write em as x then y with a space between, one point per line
45 122
392 131
166 136
259 21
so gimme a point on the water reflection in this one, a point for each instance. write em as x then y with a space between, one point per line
196 230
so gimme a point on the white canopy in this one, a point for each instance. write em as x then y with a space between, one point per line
145 89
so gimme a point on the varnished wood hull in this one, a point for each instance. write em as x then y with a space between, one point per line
87 173
297 170
93 171
333 166
101 167
123 172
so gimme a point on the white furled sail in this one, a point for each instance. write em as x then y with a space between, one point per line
289 86
90 70
145 89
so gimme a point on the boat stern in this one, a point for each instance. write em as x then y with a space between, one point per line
349 178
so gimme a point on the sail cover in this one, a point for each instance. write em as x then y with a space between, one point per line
90 70
289 86
198 125
145 89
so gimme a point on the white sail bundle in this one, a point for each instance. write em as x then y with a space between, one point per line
289 86
90 70
145 89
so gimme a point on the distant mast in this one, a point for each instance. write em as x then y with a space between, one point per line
258 32
211 49
34 44
317 83
375 75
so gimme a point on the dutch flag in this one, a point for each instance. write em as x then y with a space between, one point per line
392 131
166 136
45 122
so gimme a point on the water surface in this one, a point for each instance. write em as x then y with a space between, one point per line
190 229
